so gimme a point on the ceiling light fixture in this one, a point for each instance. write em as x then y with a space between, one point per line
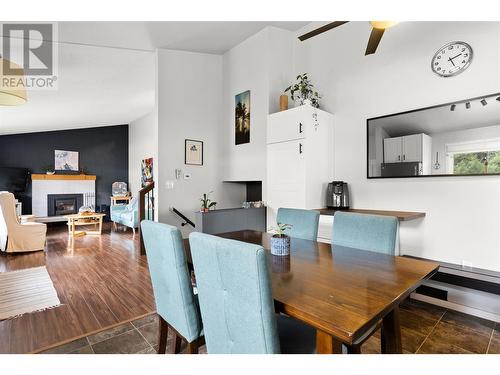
467 105
498 98
12 95
452 108
484 102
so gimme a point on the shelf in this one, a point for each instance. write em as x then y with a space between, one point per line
62 177
401 215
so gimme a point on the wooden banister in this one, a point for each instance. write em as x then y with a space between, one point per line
146 209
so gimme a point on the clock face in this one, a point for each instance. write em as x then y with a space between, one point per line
452 59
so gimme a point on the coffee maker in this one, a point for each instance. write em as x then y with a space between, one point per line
337 195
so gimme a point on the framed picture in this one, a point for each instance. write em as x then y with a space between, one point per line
193 152
66 161
146 172
242 118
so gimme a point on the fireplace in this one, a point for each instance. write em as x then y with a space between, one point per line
63 204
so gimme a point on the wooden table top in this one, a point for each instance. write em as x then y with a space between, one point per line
400 215
80 216
341 291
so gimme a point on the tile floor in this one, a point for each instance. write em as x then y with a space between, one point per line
425 329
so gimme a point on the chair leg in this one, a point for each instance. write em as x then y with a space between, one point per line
114 226
192 347
353 349
162 346
176 347
133 230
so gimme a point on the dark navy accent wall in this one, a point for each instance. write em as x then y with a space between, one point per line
103 151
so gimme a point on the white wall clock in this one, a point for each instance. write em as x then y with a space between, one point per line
452 59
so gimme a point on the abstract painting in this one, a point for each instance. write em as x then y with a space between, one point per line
193 152
66 161
242 118
147 172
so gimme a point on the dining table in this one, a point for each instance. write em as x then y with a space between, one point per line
342 292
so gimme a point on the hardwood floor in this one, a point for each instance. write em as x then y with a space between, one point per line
101 282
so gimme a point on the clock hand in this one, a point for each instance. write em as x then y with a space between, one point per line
454 57
451 60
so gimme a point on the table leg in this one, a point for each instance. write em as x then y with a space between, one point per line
69 227
391 333
100 225
327 344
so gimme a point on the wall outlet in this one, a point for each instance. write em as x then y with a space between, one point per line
169 184
178 173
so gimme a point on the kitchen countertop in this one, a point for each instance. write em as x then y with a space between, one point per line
401 215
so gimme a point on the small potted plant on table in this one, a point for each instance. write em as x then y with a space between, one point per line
206 203
280 242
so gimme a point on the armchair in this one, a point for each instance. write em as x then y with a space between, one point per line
126 214
14 236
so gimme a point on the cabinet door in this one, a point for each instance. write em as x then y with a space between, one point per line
285 176
392 150
412 147
287 125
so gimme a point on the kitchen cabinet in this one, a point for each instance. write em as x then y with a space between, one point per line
393 149
408 148
299 159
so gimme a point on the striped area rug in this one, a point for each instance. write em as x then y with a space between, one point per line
26 291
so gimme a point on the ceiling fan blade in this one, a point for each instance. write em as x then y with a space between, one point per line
374 40
321 29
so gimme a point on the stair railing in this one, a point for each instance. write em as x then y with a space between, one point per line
146 209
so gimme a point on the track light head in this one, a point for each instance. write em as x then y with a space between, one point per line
498 98
484 102
452 108
467 105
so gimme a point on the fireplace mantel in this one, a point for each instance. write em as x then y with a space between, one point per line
62 177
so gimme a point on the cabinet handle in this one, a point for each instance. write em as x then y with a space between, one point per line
300 148
399 157
404 157
300 127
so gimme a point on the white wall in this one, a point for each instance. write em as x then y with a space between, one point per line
142 144
189 106
263 65
463 213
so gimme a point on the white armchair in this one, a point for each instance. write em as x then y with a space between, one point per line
14 236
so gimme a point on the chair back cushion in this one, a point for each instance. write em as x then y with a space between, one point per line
7 216
235 296
304 222
367 232
175 301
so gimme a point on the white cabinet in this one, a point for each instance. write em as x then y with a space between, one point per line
393 149
299 159
412 147
409 148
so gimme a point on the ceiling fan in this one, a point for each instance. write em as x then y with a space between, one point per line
378 28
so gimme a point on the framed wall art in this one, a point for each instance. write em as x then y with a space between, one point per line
193 152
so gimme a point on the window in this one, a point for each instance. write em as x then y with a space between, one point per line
476 157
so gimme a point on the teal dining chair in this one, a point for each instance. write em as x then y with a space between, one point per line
176 303
304 222
366 232
236 302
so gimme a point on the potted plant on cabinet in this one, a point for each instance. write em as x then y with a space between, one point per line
206 203
280 241
303 91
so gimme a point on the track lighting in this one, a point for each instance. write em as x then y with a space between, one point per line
452 108
467 105
484 102
498 98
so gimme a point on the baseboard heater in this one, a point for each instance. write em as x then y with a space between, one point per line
469 290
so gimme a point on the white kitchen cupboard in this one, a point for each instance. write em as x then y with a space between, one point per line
393 149
409 148
299 159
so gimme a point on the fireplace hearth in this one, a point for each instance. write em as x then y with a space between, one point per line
63 204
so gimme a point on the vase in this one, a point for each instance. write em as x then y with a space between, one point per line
280 246
306 102
283 102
